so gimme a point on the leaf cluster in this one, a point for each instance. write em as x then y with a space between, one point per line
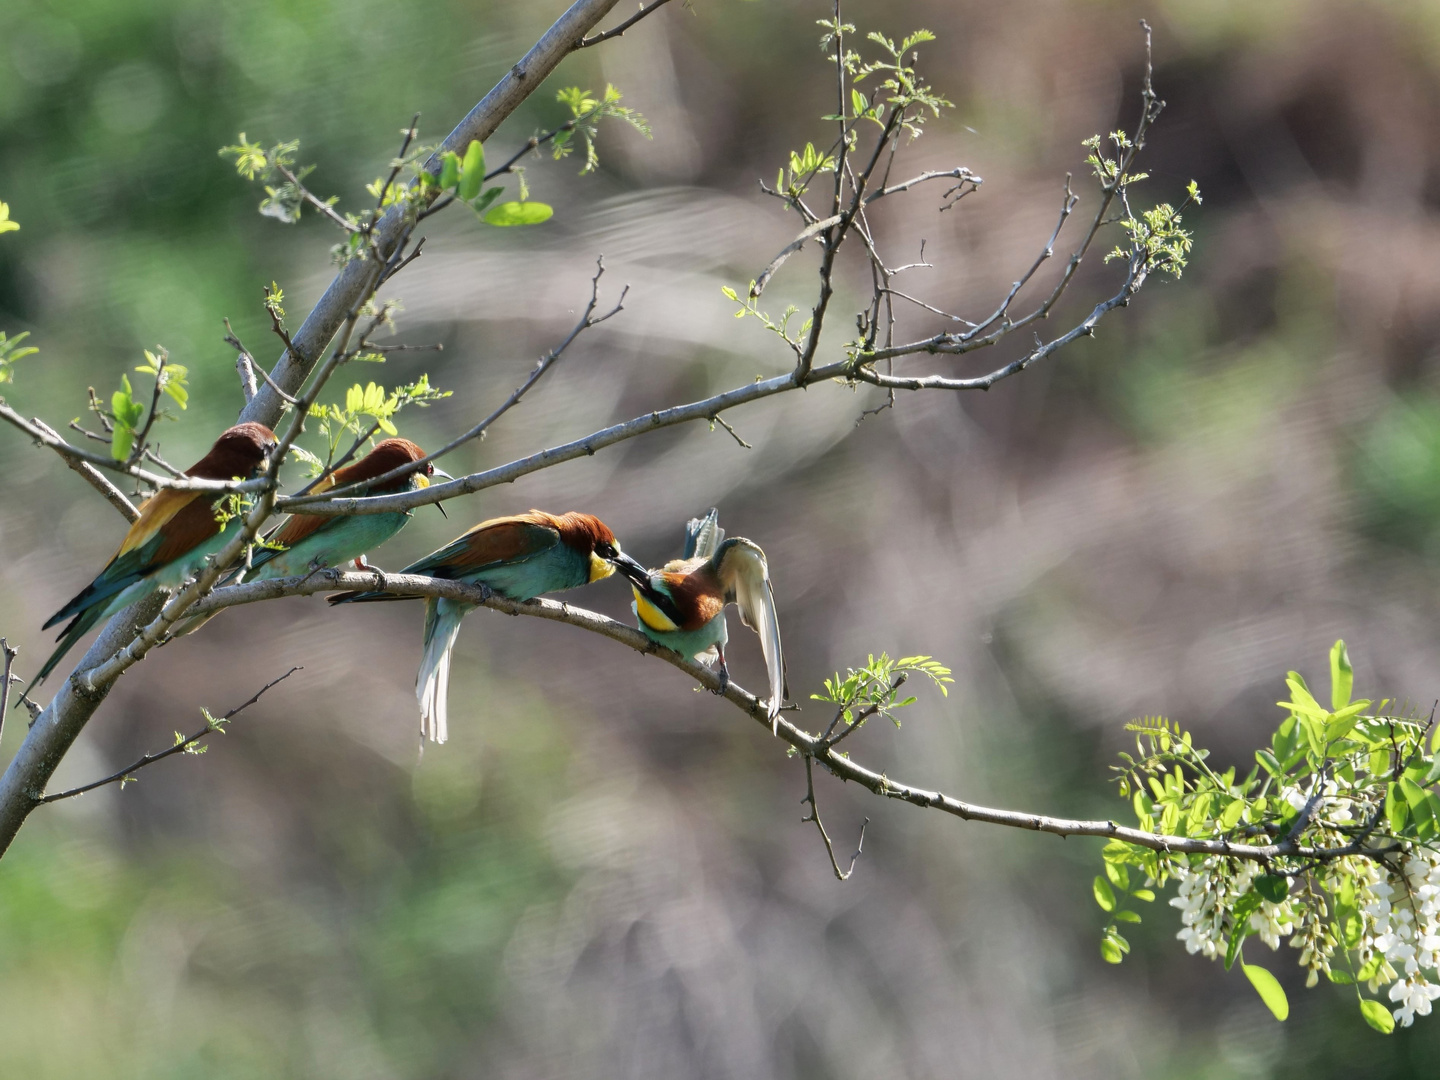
586 112
11 351
368 408
1346 794
874 689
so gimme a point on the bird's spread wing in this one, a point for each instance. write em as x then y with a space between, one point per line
500 540
746 576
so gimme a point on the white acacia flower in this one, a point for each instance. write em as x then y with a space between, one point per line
1415 996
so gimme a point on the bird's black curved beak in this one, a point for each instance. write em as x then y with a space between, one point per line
632 570
435 470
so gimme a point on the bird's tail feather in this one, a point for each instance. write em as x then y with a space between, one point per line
364 597
703 535
432 684
78 628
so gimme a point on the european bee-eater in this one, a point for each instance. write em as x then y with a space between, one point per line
170 540
518 557
308 542
682 605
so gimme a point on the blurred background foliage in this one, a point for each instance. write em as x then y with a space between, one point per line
603 873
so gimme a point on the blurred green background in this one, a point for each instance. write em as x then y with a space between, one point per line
603 873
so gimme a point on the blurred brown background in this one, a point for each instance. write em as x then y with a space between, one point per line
604 873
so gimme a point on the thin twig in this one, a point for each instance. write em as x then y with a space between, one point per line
814 815
9 654
126 774
245 365
718 419
596 39
143 434
113 495
587 319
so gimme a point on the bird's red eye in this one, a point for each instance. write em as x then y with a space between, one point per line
430 469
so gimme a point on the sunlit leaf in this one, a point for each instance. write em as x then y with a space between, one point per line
518 213
1377 1016
1269 989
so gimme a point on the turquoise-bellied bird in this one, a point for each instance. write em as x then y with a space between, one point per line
682 605
308 542
518 557
170 540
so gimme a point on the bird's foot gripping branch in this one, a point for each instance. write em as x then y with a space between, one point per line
1332 841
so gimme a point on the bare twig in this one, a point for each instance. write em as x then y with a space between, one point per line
45 435
718 419
596 39
183 746
814 815
9 655
587 319
113 495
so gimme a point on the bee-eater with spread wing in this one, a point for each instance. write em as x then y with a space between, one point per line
682 605
519 557
309 542
169 542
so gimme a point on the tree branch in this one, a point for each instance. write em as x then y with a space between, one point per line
55 729
587 320
354 280
812 746
596 39
9 654
180 747
113 495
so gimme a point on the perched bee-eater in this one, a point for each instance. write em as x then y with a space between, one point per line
518 557
682 606
309 542
169 542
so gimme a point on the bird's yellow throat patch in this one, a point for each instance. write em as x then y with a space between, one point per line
599 568
651 615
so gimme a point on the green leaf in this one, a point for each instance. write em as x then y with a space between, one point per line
1272 887
1268 763
472 172
482 204
1147 895
1118 875
518 213
1340 978
449 170
1104 895
1377 1016
1342 676
1110 951
1395 808
1269 989
6 225
1366 973
122 441
1230 816
1127 916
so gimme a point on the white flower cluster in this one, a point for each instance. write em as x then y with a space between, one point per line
1403 927
1206 896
